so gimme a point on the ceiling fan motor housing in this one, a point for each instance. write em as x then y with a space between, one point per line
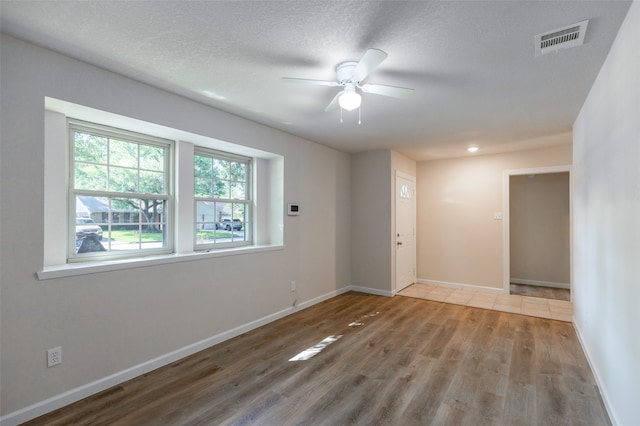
344 72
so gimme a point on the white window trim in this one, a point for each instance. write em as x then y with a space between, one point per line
75 269
267 181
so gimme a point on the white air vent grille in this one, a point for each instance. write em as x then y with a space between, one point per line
562 38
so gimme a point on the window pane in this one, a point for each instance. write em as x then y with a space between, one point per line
237 190
119 224
203 187
152 182
221 189
152 158
94 208
238 171
205 222
205 215
239 212
90 149
89 225
203 166
90 176
228 228
123 153
205 236
153 215
137 224
220 168
224 211
123 180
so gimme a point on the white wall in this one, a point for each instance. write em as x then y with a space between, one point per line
607 224
111 321
459 243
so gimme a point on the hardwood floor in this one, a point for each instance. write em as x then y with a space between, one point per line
409 362
538 291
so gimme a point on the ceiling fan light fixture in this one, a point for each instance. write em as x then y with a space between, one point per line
349 76
350 100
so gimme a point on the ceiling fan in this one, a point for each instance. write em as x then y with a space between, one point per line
349 75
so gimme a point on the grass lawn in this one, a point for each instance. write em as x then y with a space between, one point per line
209 235
131 236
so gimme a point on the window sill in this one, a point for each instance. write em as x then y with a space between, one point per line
73 269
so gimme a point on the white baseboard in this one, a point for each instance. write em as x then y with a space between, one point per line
73 395
374 291
596 375
462 286
540 283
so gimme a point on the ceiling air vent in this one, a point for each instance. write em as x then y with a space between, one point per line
562 38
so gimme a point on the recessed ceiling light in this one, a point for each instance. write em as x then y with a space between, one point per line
473 149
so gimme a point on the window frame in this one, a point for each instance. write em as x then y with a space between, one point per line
168 222
247 201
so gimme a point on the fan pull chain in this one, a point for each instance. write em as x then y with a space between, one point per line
360 115
340 115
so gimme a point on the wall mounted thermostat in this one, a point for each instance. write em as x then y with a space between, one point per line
293 209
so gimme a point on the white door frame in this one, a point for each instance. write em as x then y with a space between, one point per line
395 226
506 249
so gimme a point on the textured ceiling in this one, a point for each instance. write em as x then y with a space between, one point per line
471 63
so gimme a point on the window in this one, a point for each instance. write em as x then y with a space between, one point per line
119 193
116 191
222 197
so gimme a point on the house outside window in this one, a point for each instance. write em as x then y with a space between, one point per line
222 195
119 193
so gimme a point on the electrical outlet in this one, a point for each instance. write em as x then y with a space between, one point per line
54 356
293 286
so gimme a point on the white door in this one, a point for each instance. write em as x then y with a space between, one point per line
405 230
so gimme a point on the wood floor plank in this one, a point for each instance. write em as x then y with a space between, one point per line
399 361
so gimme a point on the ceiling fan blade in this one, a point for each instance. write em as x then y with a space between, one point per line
333 105
370 60
391 91
311 82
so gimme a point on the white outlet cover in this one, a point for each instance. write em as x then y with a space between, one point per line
54 356
497 215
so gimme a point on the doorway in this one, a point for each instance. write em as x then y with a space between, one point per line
405 200
537 229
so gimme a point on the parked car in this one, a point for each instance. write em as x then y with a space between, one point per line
86 227
228 224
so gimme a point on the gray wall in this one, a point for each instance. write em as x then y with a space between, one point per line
111 321
373 253
371 220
